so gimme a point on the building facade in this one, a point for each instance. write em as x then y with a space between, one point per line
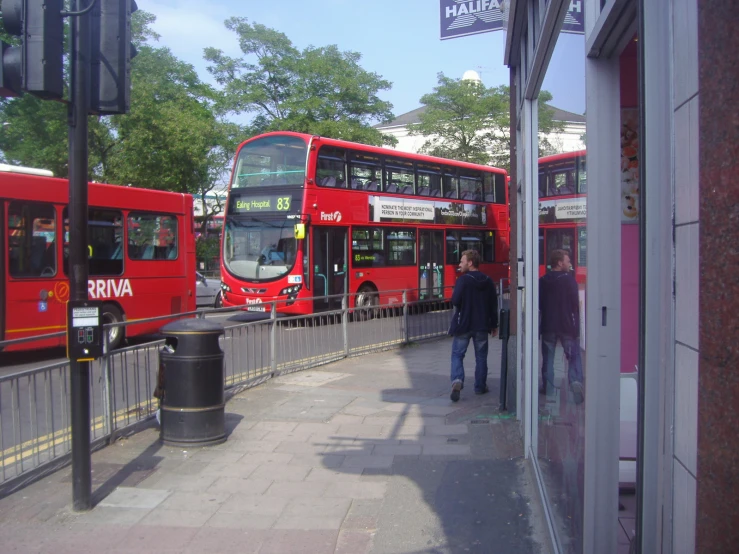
570 138
660 87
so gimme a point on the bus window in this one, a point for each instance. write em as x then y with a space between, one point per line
271 160
152 237
367 247
470 185
560 239
399 176
582 176
459 241
429 181
488 187
542 184
331 168
401 247
451 183
105 242
365 172
562 182
32 240
582 244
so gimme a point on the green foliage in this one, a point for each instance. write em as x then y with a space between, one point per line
547 124
320 90
464 120
207 252
173 138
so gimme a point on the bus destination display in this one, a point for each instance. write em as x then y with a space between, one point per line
262 203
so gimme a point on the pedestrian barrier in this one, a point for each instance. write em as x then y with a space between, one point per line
34 404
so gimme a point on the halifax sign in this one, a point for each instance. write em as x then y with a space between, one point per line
459 18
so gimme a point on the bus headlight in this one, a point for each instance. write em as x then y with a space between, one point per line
291 290
225 287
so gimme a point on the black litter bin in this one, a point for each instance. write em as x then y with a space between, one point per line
191 384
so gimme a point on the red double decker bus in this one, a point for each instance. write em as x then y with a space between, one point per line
141 255
563 210
309 216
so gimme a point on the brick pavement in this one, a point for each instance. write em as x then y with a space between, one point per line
363 455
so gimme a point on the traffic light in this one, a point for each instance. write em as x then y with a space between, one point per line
36 66
111 54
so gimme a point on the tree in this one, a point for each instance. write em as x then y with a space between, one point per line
320 90
465 120
462 120
547 124
173 138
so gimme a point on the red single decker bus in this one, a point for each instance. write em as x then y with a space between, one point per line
141 255
563 210
309 216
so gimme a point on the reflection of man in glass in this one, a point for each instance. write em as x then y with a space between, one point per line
559 305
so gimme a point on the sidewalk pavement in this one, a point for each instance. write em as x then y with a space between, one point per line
363 455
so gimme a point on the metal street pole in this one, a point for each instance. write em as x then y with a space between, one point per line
78 263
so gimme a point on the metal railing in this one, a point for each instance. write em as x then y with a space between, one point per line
34 404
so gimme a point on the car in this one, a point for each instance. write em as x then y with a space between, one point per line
207 291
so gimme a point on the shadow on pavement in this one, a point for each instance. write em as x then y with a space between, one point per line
456 482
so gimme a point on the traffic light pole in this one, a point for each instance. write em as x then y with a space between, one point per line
78 274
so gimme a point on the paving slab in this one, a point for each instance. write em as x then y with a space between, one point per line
331 460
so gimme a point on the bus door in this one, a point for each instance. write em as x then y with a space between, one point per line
3 250
329 266
430 264
35 292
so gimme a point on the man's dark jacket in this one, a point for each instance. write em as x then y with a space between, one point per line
476 303
559 304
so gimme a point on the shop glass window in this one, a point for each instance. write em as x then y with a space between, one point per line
31 240
152 237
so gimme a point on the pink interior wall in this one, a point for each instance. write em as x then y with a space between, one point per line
629 236
629 297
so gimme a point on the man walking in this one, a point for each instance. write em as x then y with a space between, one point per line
559 304
476 314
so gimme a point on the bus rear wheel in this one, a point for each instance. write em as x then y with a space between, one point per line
367 300
111 314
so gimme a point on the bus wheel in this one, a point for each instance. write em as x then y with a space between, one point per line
366 299
111 314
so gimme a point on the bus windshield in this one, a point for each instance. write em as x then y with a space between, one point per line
259 250
271 160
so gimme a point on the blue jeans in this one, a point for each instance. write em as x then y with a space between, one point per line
571 347
459 349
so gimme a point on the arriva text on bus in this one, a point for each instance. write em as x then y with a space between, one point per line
108 288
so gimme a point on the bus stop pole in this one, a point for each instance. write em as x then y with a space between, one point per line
78 263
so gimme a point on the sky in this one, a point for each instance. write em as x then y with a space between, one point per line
398 40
